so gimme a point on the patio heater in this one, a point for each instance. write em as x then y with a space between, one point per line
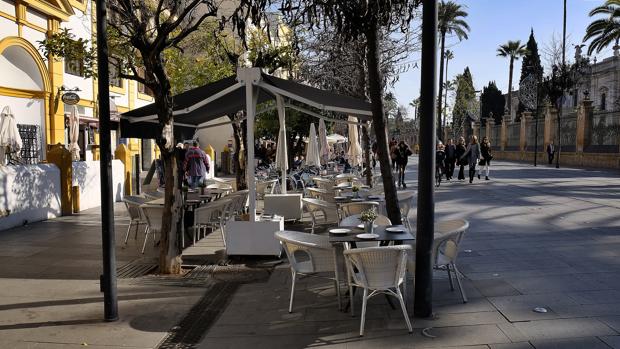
108 279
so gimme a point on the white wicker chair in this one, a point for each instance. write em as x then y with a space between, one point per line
135 215
308 254
405 203
448 236
349 209
378 270
212 216
153 215
265 187
323 183
327 210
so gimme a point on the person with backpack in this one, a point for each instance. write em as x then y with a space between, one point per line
402 158
196 165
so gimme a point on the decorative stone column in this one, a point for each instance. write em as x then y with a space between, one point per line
475 127
584 125
123 154
504 138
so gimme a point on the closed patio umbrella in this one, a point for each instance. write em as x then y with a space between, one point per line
323 146
312 155
281 157
355 149
74 134
10 140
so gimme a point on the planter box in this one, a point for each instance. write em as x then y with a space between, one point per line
288 206
253 238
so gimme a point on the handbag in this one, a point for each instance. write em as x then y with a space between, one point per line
482 162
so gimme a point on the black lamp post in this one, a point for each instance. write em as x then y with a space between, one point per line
108 279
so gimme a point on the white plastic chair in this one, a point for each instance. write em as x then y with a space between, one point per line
378 270
153 215
349 209
323 183
209 216
135 215
308 254
327 210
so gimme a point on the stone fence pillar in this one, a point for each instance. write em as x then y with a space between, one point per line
526 119
584 125
551 116
503 134
489 129
61 157
123 154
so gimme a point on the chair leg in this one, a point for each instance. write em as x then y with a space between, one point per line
351 300
128 230
458 281
404 308
135 235
450 277
146 237
337 281
363 319
293 276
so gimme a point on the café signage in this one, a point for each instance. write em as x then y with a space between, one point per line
71 98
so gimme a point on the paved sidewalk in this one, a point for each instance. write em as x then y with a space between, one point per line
539 237
49 288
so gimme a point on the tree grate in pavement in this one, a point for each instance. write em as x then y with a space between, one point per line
135 269
193 327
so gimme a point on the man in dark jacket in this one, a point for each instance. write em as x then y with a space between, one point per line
450 158
402 158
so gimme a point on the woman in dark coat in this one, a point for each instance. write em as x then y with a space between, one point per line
402 157
460 150
472 155
485 161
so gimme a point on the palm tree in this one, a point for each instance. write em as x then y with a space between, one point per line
605 30
451 20
415 104
514 50
449 56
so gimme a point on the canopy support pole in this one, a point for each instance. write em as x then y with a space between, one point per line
282 142
250 77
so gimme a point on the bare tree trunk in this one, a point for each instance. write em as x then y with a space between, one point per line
169 253
366 139
239 167
376 97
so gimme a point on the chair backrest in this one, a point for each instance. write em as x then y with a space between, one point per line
208 213
315 193
220 186
352 208
378 267
354 220
193 195
323 183
153 215
307 253
154 195
405 201
448 237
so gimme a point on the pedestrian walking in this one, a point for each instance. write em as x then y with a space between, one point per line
393 153
450 150
460 151
402 157
485 161
472 154
196 164
550 152
440 166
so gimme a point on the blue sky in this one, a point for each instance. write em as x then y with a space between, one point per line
494 22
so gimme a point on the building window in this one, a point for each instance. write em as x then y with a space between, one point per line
142 88
74 67
31 135
603 101
115 78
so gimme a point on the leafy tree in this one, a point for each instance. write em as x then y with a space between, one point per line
366 21
606 30
513 50
451 20
464 102
492 102
140 34
531 66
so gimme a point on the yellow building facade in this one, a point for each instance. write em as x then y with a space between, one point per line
32 85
